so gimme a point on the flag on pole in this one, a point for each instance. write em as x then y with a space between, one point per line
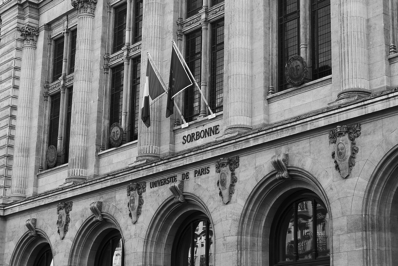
179 79
153 89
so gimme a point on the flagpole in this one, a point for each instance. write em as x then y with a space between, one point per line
185 124
212 115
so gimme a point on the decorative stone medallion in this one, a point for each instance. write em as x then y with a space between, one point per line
115 135
63 221
134 191
296 70
177 190
31 225
227 178
51 156
280 162
345 149
96 209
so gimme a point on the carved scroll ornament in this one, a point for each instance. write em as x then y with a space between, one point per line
227 178
31 225
63 210
96 209
177 189
280 162
84 6
29 34
134 191
345 149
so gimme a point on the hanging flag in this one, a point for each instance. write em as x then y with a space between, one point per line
153 89
179 79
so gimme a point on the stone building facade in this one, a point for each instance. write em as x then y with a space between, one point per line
297 166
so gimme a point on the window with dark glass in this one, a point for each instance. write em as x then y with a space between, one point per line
135 94
110 253
116 95
73 37
45 257
301 233
69 101
193 243
193 59
54 119
58 57
119 30
217 66
215 2
193 7
138 20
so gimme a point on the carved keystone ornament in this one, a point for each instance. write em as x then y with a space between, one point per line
227 178
63 221
96 209
31 225
134 191
280 162
177 189
345 149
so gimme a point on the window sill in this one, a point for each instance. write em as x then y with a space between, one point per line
298 90
200 121
58 168
111 150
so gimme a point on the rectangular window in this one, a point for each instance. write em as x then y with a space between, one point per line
217 66
68 122
58 56
138 20
73 37
119 30
215 2
54 119
193 7
134 101
193 59
116 95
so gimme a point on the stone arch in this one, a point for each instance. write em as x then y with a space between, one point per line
89 237
28 247
164 226
260 209
380 208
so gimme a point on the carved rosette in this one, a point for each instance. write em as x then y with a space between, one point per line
280 162
84 6
63 210
227 178
29 34
134 191
96 209
177 189
345 149
31 225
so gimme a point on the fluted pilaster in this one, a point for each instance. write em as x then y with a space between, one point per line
22 134
149 138
353 48
77 168
238 69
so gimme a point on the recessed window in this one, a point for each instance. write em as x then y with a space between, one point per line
110 252
119 29
73 38
138 20
58 57
193 7
134 99
116 95
45 257
217 66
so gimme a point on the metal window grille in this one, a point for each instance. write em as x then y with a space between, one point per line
116 95
54 119
135 95
138 21
217 66
119 30
58 56
193 7
193 59
72 51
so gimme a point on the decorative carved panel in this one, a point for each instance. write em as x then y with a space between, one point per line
227 178
280 163
63 210
134 191
96 209
31 225
177 189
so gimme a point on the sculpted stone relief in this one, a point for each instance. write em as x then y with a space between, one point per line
96 209
134 191
63 221
31 225
345 149
280 162
177 189
225 167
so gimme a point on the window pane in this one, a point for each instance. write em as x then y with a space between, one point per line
68 121
193 7
288 236
119 30
58 56
45 257
138 21
73 37
304 229
54 119
322 228
116 95
135 95
111 254
217 67
215 2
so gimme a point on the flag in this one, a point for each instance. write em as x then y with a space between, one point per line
179 80
153 89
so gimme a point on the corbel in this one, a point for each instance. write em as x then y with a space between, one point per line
96 209
31 225
177 189
280 163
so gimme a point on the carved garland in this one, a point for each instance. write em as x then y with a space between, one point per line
134 191
345 149
63 210
227 178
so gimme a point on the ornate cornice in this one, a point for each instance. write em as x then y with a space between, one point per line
29 34
84 6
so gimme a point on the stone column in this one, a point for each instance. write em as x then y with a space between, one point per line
237 117
149 138
304 31
353 49
205 56
77 168
22 134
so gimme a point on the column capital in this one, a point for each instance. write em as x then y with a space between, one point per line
84 6
29 34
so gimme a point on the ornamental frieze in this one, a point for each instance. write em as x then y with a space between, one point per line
225 167
116 58
191 22
134 192
63 210
135 49
216 12
345 149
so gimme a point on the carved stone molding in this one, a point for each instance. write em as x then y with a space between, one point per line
227 178
96 209
280 163
63 210
177 189
345 149
31 225
84 6
29 34
106 63
134 191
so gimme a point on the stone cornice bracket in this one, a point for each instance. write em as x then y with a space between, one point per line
177 189
63 210
345 149
29 34
84 6
31 225
280 163
227 178
134 192
96 209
